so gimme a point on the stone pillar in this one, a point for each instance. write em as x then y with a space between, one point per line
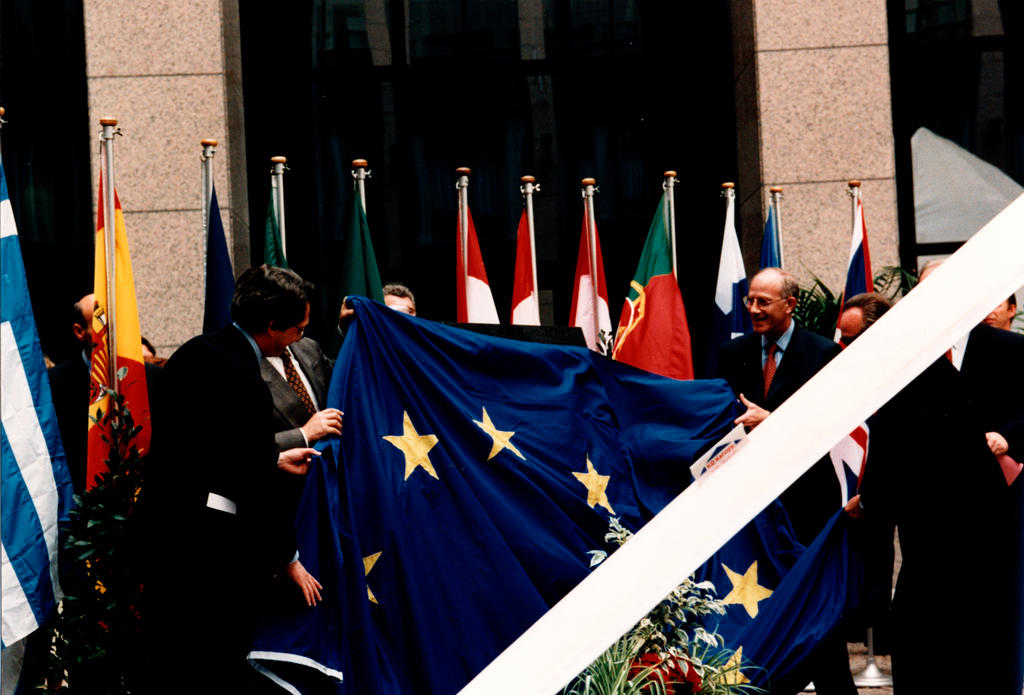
170 73
813 110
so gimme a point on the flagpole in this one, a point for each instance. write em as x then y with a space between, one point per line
209 148
529 186
2 121
110 239
588 201
854 190
360 173
463 187
775 200
729 193
670 217
277 189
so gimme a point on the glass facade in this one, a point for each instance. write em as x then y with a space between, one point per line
957 67
559 89
46 147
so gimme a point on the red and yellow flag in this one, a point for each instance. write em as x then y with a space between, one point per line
129 364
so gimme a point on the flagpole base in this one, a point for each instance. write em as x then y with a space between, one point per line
872 677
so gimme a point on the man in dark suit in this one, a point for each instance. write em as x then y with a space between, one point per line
989 361
218 528
784 356
765 368
299 390
928 444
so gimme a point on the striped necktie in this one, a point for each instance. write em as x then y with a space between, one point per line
292 375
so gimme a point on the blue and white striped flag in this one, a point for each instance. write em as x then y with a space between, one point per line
730 318
35 486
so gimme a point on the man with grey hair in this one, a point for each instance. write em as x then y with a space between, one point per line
765 368
400 298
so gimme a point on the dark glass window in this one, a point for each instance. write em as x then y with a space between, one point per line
956 70
46 147
560 89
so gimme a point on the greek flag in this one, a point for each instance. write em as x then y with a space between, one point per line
35 487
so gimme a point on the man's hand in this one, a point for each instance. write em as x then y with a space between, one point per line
296 461
307 583
346 314
754 416
997 443
322 424
853 507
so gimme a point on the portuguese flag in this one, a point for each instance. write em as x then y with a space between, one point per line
653 333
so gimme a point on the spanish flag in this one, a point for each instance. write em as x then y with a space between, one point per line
129 367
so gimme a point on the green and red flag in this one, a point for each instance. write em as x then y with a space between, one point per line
653 333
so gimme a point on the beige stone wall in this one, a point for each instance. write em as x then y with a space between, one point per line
814 111
170 72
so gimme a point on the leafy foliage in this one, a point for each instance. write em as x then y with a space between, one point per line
669 652
817 308
97 634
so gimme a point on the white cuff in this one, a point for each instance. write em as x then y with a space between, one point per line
221 503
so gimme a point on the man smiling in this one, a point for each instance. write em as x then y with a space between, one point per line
765 368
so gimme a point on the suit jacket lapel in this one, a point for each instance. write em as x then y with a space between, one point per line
314 368
282 393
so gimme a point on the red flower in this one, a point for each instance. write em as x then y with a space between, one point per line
676 682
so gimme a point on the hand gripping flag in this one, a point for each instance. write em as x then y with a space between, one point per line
475 303
131 373
525 307
474 476
35 486
653 333
730 318
220 279
595 321
359 272
858 271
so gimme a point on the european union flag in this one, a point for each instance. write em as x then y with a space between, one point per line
473 477
781 599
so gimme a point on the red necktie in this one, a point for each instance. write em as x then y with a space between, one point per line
292 376
769 368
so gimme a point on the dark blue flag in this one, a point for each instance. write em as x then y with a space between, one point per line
781 599
474 475
220 280
771 242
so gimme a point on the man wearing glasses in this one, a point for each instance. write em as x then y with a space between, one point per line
765 368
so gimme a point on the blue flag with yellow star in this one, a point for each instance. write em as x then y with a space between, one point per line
783 599
474 475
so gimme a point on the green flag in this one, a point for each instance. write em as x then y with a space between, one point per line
273 251
359 273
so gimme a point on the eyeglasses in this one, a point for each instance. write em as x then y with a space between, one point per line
761 302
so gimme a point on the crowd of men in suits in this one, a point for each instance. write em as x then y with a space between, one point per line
223 483
943 455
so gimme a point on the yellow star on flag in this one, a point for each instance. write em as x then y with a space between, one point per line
368 563
731 670
596 485
415 447
500 440
745 589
